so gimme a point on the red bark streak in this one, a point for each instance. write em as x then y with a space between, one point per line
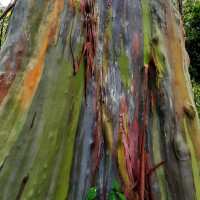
135 126
133 141
5 82
127 157
154 167
123 104
135 46
97 146
12 67
82 6
128 190
71 2
134 134
152 102
125 139
147 172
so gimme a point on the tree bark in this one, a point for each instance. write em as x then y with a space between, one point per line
92 91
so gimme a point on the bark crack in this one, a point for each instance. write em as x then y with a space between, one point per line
33 120
23 184
1 167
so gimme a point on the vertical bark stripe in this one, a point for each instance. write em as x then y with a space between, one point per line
33 76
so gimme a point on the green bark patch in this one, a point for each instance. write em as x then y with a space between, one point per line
123 63
158 51
109 27
157 158
59 128
195 168
146 30
109 33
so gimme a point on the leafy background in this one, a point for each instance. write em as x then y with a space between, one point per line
3 26
191 19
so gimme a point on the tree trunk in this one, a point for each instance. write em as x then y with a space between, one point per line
92 91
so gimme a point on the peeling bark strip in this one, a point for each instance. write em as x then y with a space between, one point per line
92 91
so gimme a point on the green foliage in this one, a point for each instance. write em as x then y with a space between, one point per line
112 196
116 185
115 193
121 196
196 90
91 194
4 26
191 18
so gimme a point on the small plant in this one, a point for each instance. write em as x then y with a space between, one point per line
196 90
115 193
91 194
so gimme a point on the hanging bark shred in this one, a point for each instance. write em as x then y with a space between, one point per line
141 185
88 53
126 150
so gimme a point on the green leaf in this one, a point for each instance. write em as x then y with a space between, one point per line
91 194
121 196
112 196
116 185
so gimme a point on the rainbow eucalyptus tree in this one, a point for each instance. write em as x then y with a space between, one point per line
96 90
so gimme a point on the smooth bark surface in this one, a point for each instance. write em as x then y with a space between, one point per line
92 91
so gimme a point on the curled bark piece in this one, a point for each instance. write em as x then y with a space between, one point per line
181 148
189 110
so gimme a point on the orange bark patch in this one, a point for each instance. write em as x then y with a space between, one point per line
33 76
